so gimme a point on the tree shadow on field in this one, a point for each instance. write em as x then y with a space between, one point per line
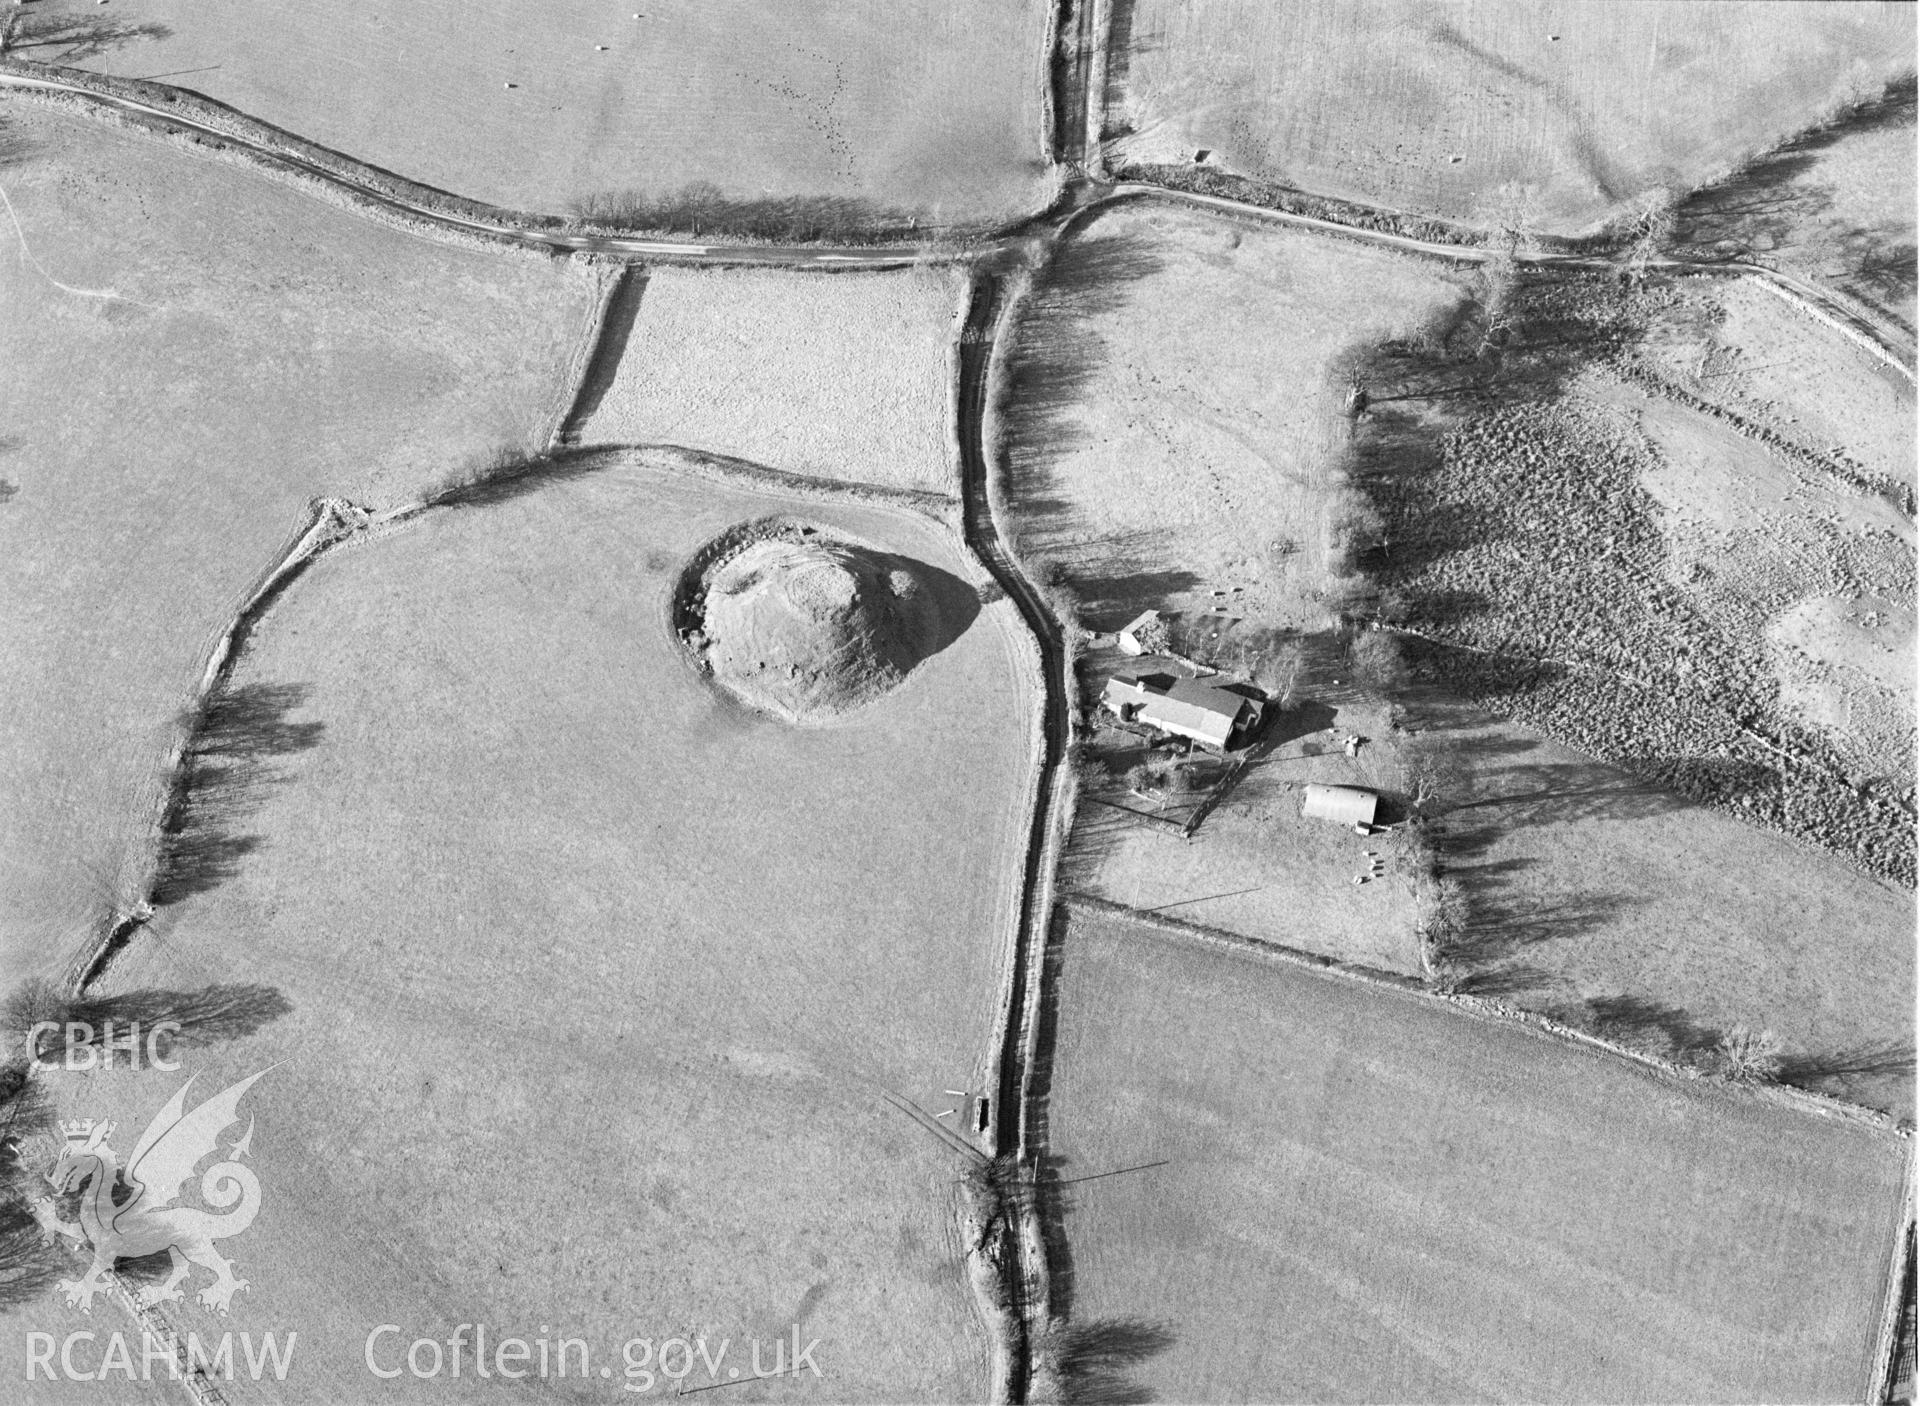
1763 204
702 208
1889 1059
610 349
1115 578
209 1015
224 775
1501 924
29 1266
1647 1025
1092 1360
1122 45
1724 781
77 36
1774 202
1422 494
508 475
1098 831
1483 785
1054 362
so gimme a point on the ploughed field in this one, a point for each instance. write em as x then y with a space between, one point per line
935 111
1366 1194
194 353
602 981
1575 108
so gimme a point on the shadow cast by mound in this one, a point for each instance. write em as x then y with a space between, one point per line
801 624
940 611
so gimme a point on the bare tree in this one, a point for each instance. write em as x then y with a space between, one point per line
1511 215
1653 221
1376 661
1494 286
1746 1056
1280 674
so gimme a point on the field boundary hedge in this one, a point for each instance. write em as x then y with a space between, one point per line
329 522
421 208
1496 1012
1271 195
615 280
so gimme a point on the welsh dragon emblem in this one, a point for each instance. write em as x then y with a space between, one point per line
131 1214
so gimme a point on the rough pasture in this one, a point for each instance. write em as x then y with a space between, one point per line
602 984
174 402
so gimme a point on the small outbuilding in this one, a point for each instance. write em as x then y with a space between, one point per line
1142 634
1344 805
1210 714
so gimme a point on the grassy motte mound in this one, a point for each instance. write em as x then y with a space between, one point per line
803 625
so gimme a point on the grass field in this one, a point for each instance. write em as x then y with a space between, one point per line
844 376
1623 909
600 982
935 111
1371 1196
162 441
1836 206
1173 415
1433 107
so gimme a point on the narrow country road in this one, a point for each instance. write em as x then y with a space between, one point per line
982 536
783 255
1012 1130
1812 299
1815 301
